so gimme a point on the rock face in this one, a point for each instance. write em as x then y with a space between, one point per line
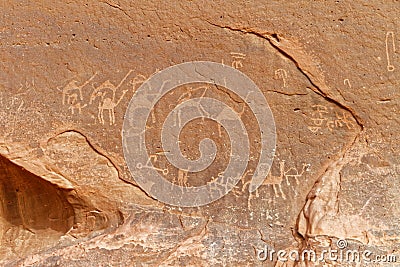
330 73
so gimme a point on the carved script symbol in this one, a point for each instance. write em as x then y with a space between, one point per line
237 60
281 74
390 35
347 81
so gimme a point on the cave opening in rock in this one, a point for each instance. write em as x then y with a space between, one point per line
34 213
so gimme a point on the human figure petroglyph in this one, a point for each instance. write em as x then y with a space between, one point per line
281 74
139 79
72 92
390 35
183 177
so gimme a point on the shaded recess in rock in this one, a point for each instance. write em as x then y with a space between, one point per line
33 206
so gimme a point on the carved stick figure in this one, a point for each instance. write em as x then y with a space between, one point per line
72 90
183 177
139 79
281 74
347 81
390 66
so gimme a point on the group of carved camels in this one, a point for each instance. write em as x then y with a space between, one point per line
106 92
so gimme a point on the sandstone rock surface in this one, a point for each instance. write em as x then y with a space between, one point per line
330 72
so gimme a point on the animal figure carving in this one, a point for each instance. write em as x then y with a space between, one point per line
72 91
108 100
291 173
109 104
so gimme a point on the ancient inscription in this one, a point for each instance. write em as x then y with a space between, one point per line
141 108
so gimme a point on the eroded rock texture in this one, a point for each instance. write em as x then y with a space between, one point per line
329 71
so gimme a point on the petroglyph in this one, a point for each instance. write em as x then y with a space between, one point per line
193 105
237 61
322 118
72 95
289 174
347 81
390 49
150 165
108 100
281 74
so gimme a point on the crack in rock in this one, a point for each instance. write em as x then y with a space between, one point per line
305 63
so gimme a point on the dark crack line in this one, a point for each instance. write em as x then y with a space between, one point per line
91 146
228 94
97 150
287 94
115 6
